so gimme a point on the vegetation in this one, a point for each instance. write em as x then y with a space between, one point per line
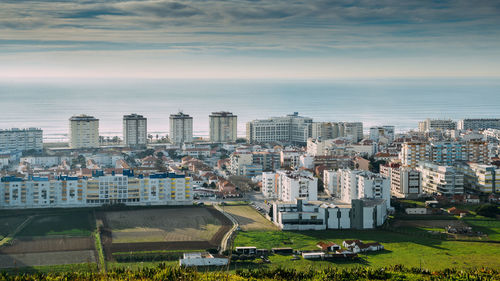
414 250
488 210
164 272
9 224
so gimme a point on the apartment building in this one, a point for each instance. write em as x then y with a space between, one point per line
135 130
443 180
387 132
437 125
405 182
477 124
481 178
358 184
223 126
291 128
18 140
287 185
65 191
83 132
181 128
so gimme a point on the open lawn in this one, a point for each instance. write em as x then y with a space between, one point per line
64 224
162 225
490 226
412 251
248 218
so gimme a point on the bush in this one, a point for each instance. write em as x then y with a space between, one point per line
488 210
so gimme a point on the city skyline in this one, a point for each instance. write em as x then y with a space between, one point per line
249 39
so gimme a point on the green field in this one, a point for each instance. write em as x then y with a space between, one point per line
412 251
66 224
489 226
9 224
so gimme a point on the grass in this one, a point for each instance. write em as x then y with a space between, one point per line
248 218
100 251
82 267
486 225
64 224
9 224
412 251
139 265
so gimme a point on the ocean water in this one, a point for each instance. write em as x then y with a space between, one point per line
48 104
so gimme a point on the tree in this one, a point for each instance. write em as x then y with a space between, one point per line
488 210
212 185
241 140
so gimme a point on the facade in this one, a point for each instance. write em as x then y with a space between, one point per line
135 130
481 178
83 132
325 130
352 130
291 128
202 259
357 184
479 124
18 140
442 180
288 185
320 215
290 158
330 182
223 127
36 192
181 128
436 125
405 182
384 131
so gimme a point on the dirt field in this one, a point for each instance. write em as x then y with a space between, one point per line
48 258
162 229
249 218
22 246
163 225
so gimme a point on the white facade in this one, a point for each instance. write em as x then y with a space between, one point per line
480 177
330 182
290 185
291 128
223 127
135 130
181 128
202 259
357 184
444 180
160 189
16 140
352 130
405 182
479 124
383 131
83 132
437 125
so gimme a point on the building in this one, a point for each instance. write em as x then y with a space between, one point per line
357 184
181 128
442 180
223 127
202 259
83 132
387 132
479 124
325 130
436 125
18 140
65 191
291 128
286 185
318 147
330 182
135 130
352 130
290 158
481 178
412 153
405 182
321 215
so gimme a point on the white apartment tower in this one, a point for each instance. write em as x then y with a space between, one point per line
436 125
83 131
357 184
181 128
135 130
223 127
291 128
443 180
289 186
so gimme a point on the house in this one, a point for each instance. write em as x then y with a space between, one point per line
357 246
202 259
328 246
416 211
472 199
457 212
282 250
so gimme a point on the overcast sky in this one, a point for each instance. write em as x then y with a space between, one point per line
249 39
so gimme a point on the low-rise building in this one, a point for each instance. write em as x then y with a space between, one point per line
202 259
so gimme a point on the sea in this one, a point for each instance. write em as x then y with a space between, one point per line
49 103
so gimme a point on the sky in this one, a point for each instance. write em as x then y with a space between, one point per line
247 39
